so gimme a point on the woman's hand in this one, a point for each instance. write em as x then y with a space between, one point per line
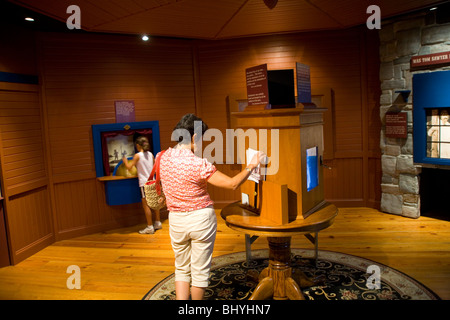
219 179
259 157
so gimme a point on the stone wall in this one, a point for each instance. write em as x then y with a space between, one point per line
400 39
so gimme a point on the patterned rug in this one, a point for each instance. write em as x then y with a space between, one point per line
346 277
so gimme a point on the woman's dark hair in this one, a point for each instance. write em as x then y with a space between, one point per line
143 142
188 122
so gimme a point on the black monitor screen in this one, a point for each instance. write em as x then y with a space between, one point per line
281 88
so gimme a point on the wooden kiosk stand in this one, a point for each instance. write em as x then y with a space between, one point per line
299 148
291 199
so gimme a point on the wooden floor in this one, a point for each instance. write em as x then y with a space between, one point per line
122 264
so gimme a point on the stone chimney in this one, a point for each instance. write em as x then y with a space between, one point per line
401 39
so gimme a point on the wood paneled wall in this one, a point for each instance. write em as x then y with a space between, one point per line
345 61
24 173
47 157
82 77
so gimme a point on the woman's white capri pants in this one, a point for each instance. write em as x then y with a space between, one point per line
192 235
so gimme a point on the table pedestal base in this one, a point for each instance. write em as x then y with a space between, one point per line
278 280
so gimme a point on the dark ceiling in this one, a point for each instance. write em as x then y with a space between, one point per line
205 19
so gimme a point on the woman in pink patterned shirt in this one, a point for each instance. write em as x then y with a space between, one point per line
192 219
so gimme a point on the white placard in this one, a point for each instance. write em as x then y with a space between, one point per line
255 175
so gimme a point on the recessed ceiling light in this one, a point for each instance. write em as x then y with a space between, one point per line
29 19
145 38
434 8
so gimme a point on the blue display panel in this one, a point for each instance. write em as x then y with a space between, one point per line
431 117
312 168
121 191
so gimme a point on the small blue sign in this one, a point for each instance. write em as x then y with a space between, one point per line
303 83
312 169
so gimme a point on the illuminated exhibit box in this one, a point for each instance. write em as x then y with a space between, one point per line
296 152
431 117
111 143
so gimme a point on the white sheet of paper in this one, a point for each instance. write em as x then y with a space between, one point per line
245 199
255 175
311 152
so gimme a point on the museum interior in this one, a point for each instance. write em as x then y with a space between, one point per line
75 75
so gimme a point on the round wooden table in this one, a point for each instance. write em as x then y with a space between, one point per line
278 280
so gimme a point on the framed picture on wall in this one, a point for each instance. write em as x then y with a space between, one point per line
119 146
438 133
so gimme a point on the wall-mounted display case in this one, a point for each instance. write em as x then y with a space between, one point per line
111 143
431 117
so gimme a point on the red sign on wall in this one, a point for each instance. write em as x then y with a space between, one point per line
396 125
430 59
257 85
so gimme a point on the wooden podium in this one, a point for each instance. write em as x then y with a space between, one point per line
300 129
291 199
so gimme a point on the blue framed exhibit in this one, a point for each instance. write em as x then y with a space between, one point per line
112 142
431 117
312 168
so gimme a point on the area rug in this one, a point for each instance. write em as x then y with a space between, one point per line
347 277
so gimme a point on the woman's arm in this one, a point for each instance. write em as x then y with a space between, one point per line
221 180
130 164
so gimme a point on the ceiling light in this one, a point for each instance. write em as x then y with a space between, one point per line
434 8
29 19
145 37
